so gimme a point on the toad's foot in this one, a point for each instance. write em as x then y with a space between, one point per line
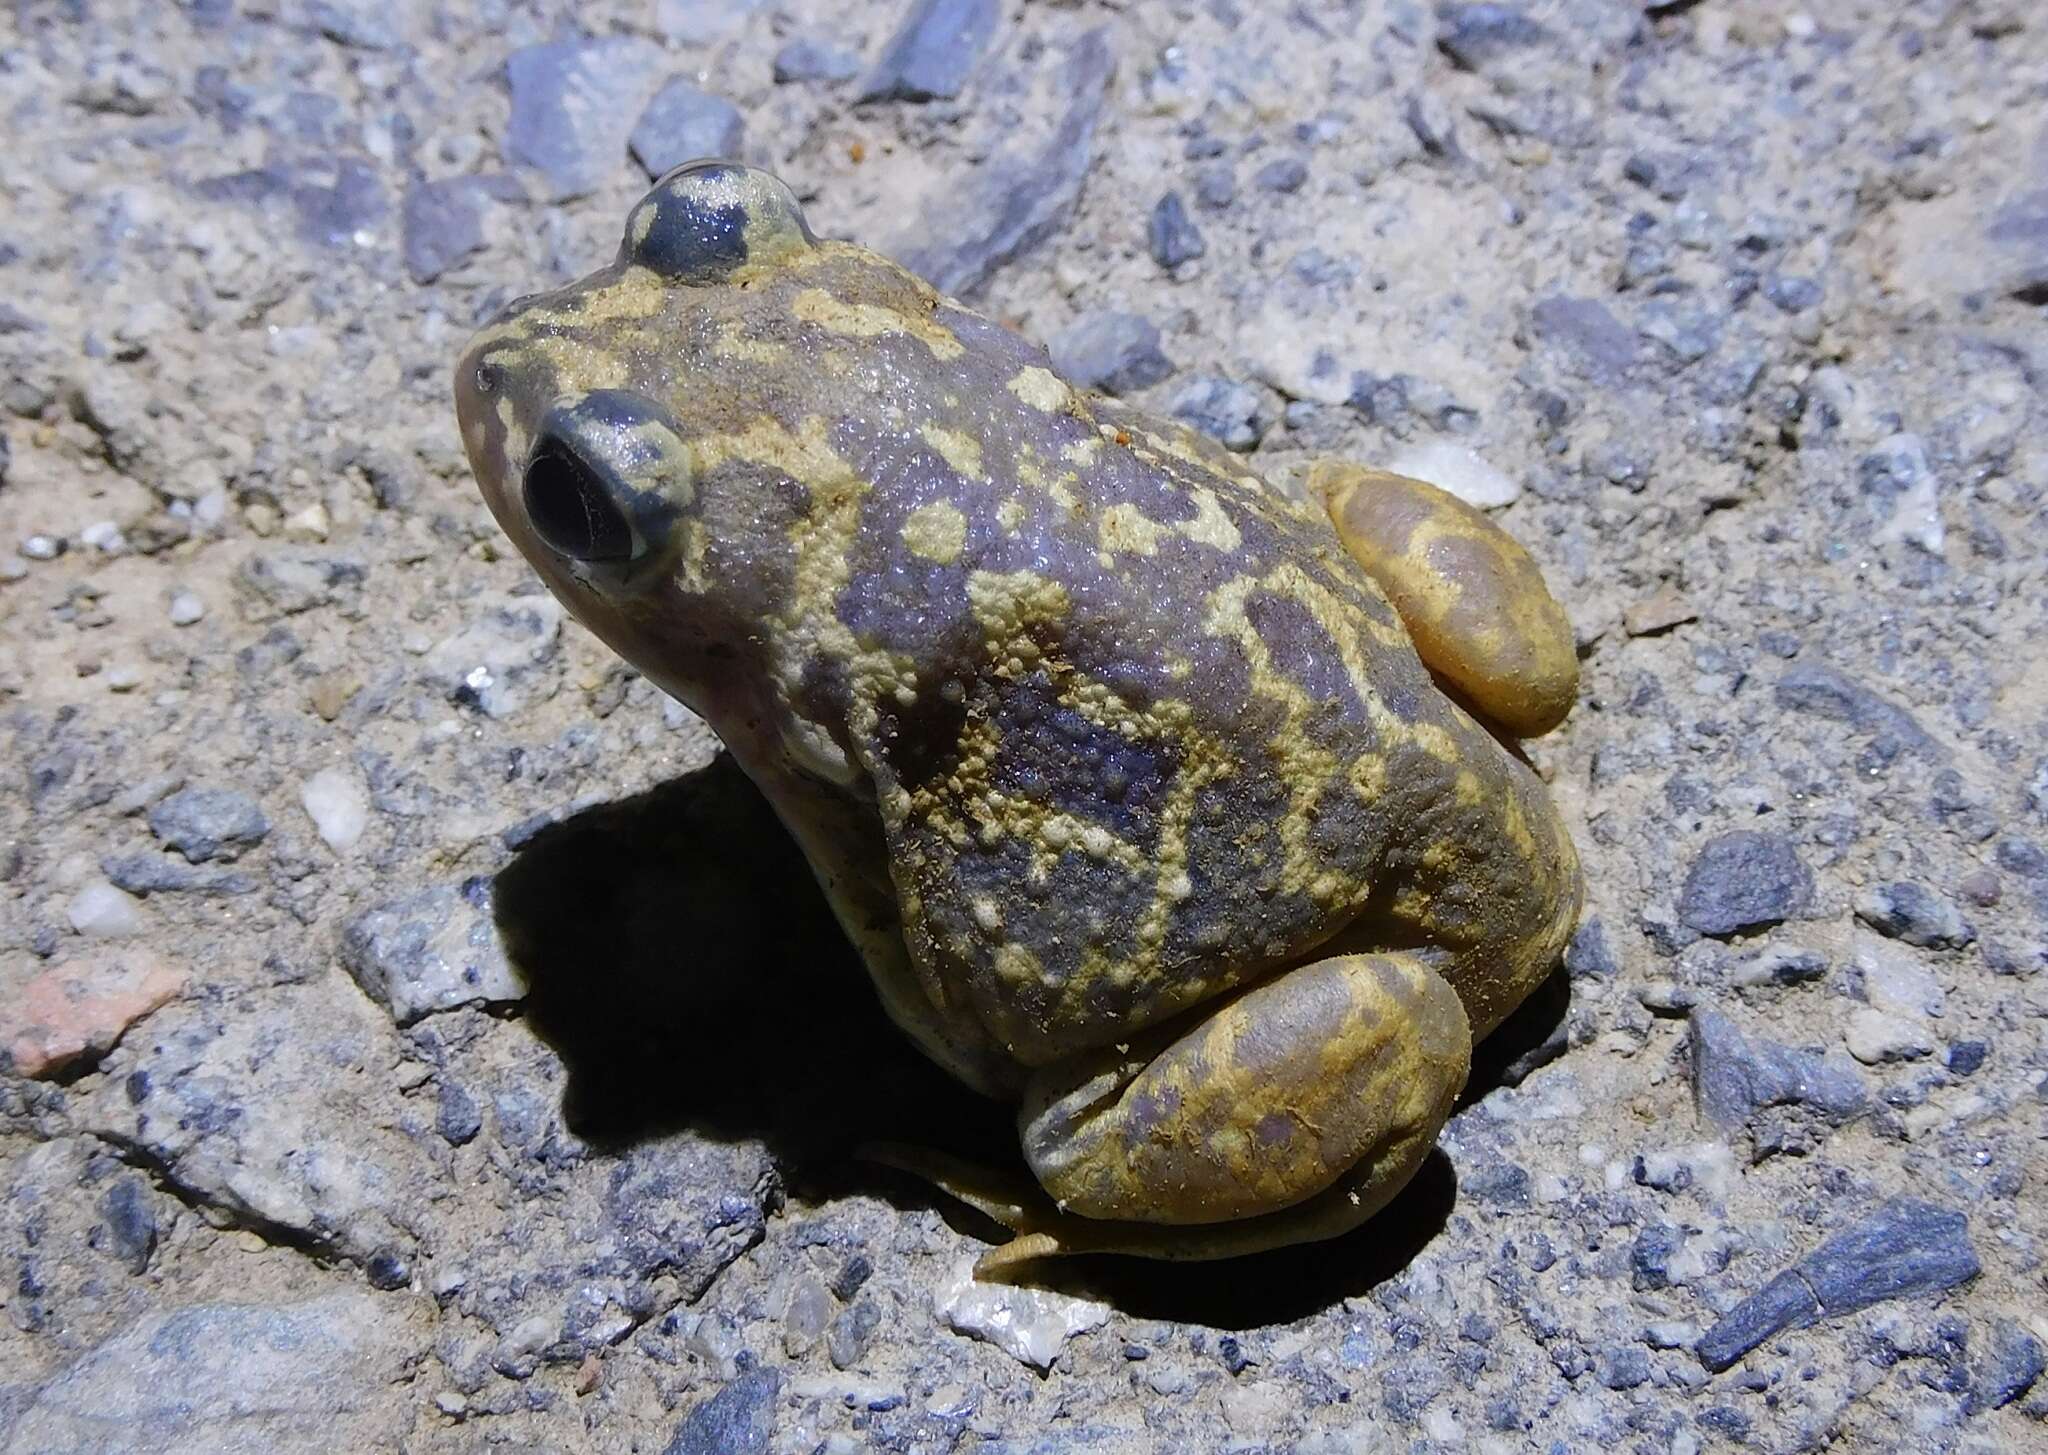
1471 597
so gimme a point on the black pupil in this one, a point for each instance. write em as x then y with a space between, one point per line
571 509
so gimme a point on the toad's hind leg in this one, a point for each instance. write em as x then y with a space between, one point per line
1472 599
1290 1112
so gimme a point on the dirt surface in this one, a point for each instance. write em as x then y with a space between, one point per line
418 1037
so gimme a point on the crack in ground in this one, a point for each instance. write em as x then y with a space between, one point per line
217 1213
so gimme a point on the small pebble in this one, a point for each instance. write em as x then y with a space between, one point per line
335 801
1658 613
103 536
310 524
12 567
186 608
1285 175
123 677
810 60
1876 1036
1457 470
100 911
42 548
1172 235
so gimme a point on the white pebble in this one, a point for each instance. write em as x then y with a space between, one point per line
186 608
1457 470
103 535
1875 1036
310 524
334 800
210 509
103 912
12 567
123 677
42 548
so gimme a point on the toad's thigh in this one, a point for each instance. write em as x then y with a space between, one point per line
1258 1103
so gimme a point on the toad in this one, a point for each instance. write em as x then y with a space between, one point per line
1169 805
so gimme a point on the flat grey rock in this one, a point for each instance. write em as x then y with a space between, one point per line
683 124
234 1379
573 104
1908 1248
1022 195
1744 880
933 51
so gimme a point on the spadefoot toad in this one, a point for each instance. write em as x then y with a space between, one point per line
1146 795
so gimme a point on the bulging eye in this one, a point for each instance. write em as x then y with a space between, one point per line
703 220
571 508
607 479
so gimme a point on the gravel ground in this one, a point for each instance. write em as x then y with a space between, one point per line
1734 314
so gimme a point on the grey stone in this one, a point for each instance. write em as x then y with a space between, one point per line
430 951
1781 966
1734 1076
1914 913
1597 343
852 1276
1285 174
1025 192
1471 35
933 51
1785 1302
573 103
148 873
1623 1367
457 1117
129 1207
209 823
1744 880
1215 187
233 1379
1172 235
2007 1369
287 583
1906 1249
738 1420
1966 1058
847 1339
1589 955
804 60
338 201
2022 857
1650 1256
1232 413
1690 331
1792 294
683 124
804 1317
186 1098
1117 353
1825 692
441 224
